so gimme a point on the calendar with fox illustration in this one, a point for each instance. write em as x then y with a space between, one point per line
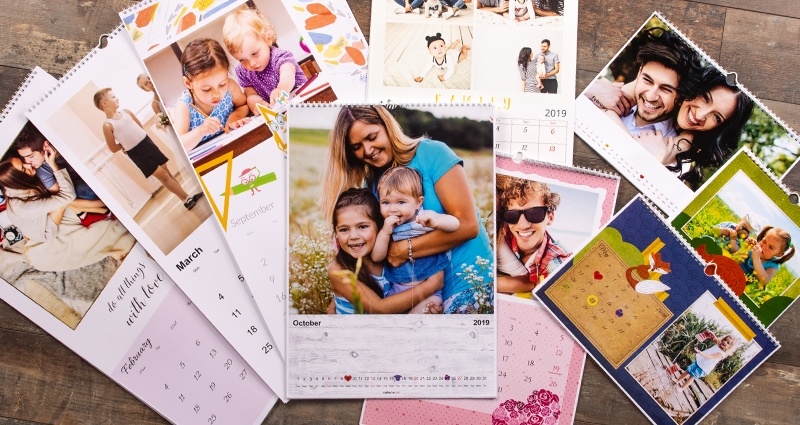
639 300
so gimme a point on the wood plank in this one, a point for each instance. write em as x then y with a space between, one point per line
775 7
762 54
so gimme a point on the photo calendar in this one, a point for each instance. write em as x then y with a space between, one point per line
391 271
668 117
71 267
644 305
741 223
521 58
225 72
107 127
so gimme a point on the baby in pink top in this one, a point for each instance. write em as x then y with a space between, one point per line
264 70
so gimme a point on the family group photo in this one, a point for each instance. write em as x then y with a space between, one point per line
684 110
391 210
60 243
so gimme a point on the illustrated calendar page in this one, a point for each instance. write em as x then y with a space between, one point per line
667 147
638 299
538 377
737 213
522 59
409 246
85 280
267 53
93 117
573 202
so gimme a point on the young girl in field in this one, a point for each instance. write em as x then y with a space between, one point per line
356 221
401 196
771 248
444 58
706 360
264 70
212 102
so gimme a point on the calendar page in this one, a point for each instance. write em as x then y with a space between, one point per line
242 165
151 187
538 377
668 117
737 212
645 307
578 201
521 58
91 286
407 245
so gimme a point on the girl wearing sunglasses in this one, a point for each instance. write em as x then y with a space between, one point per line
526 253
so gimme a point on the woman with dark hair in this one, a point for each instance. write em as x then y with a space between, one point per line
55 238
709 125
527 71
548 7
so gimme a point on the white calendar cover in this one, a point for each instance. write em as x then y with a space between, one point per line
423 247
186 242
484 51
243 169
91 286
667 116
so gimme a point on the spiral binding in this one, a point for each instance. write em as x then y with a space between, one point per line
652 207
388 104
74 69
136 7
13 101
778 182
574 168
739 85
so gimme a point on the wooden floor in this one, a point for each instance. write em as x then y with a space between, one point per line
43 382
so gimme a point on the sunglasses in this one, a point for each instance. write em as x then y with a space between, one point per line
534 215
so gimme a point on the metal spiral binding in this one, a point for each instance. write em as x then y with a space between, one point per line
696 256
136 7
739 85
793 196
13 101
75 69
575 168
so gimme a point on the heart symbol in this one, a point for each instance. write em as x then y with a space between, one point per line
641 176
598 275
618 312
447 377
348 378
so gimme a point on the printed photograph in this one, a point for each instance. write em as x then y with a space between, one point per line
694 357
747 240
211 79
429 55
118 125
60 244
519 60
683 111
540 223
422 11
391 210
520 12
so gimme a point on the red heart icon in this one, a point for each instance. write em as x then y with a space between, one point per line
598 275
348 378
641 176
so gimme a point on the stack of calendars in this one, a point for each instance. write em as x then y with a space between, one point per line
228 203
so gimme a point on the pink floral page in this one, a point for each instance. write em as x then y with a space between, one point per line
539 375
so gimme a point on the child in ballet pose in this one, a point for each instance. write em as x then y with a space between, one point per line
444 58
123 131
264 70
212 102
400 190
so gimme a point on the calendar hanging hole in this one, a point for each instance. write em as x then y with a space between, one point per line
103 41
732 79
794 198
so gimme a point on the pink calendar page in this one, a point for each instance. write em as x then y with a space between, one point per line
538 376
95 289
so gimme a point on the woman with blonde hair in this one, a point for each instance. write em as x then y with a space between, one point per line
365 142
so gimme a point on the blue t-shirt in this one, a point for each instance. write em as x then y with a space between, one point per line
343 306
221 111
433 160
747 265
